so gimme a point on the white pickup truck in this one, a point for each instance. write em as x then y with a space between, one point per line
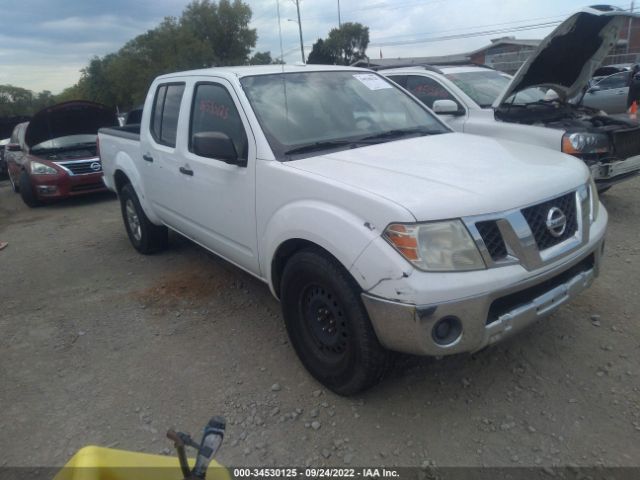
375 225
479 100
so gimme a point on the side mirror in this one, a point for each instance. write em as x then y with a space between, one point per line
216 145
594 89
13 147
447 107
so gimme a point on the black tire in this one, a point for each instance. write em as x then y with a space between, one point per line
328 325
26 191
145 236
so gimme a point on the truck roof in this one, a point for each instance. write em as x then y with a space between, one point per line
246 71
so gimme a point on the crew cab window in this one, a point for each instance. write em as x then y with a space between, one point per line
213 110
166 108
428 90
619 80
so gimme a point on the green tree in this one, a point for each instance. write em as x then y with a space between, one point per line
261 58
321 54
348 43
208 33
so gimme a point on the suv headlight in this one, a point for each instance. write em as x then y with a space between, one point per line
436 246
38 168
594 201
581 143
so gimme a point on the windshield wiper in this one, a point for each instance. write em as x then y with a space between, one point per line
315 146
398 133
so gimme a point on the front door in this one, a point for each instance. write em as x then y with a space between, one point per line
216 202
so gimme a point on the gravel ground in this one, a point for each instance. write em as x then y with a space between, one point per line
101 345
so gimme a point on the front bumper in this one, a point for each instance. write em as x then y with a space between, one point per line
606 174
62 185
485 318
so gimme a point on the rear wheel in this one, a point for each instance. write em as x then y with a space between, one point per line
328 325
145 236
26 191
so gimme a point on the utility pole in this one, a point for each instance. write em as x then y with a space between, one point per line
339 19
629 29
300 30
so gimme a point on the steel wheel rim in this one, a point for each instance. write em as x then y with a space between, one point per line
325 321
133 220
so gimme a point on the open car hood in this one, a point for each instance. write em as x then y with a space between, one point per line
566 59
77 117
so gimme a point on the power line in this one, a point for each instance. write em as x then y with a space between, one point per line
380 42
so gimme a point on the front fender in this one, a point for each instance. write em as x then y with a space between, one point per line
342 233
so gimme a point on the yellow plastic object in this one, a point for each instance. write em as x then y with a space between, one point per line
98 463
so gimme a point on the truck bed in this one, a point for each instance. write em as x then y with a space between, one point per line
131 132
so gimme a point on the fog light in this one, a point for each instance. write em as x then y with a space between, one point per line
447 330
47 189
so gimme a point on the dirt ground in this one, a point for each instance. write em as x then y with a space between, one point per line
101 345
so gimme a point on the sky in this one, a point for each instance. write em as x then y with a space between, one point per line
45 43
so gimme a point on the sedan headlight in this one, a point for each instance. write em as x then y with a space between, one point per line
594 201
581 143
38 168
436 246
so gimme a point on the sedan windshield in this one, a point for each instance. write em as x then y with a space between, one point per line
68 142
305 113
484 87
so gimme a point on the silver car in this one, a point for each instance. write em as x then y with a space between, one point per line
609 93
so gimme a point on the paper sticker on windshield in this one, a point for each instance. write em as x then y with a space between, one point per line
372 81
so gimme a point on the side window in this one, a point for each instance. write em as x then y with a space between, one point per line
619 80
400 80
166 109
213 110
428 90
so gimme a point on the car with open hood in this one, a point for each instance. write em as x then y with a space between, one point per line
480 100
54 155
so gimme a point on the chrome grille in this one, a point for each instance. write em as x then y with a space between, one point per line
82 168
492 239
536 217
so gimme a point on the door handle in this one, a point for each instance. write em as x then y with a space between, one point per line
186 171
147 158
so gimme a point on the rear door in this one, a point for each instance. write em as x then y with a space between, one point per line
158 165
610 94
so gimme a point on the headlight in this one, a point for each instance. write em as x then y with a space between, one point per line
38 168
580 143
437 246
594 201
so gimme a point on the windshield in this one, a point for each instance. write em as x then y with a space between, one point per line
70 141
308 112
484 87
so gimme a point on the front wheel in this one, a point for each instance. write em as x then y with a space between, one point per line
26 191
328 325
145 236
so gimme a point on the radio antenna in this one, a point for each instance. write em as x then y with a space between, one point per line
280 34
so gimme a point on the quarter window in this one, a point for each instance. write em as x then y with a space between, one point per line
214 111
166 108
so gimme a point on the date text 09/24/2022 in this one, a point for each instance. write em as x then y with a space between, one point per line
314 473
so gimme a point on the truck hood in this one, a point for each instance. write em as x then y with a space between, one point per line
68 118
452 175
566 59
